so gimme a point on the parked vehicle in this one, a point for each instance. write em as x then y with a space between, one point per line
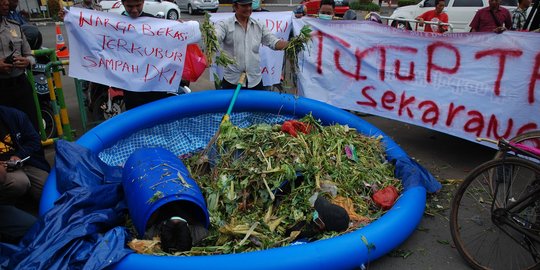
313 6
460 12
196 6
171 10
35 40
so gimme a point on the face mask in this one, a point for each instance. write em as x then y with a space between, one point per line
255 4
325 16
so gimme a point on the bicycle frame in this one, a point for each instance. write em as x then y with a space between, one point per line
504 215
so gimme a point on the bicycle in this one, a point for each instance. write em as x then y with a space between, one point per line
495 214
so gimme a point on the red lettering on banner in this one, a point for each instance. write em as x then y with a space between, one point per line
431 114
152 72
404 104
535 76
452 112
493 125
320 36
475 124
277 26
475 121
109 64
371 102
360 55
98 21
270 71
387 99
527 127
397 64
502 54
431 66
163 32
400 77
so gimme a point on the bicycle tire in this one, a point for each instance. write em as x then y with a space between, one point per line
481 242
531 138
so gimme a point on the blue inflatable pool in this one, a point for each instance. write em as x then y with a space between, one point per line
348 251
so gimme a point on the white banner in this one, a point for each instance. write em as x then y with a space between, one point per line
466 84
279 23
143 54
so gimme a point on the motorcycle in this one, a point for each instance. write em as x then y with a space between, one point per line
35 39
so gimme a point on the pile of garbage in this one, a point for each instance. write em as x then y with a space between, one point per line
273 185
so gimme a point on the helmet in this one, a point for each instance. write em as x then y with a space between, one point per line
374 17
32 35
349 15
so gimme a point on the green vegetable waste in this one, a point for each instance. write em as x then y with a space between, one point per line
254 194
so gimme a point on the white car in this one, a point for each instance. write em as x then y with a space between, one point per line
460 12
192 6
167 9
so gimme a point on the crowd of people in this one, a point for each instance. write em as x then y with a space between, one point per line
19 138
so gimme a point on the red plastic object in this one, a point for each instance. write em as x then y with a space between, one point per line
385 197
293 126
195 63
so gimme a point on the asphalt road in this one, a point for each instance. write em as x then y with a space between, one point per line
446 157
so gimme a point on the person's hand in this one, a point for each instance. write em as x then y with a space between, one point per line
61 14
3 171
420 21
499 29
20 62
5 67
14 158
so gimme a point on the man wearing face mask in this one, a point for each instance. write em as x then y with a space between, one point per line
242 37
435 15
326 11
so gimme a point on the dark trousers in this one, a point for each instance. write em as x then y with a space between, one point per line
17 93
14 223
135 99
227 85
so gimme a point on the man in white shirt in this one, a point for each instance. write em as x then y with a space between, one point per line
242 37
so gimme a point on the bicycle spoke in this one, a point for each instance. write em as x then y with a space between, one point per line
493 212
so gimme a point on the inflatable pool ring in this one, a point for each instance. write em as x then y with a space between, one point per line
348 251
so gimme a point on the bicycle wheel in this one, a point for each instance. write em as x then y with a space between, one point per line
531 138
475 219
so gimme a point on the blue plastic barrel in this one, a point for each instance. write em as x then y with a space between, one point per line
155 179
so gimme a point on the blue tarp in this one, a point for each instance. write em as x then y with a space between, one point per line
85 229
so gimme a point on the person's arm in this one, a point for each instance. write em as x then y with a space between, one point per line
5 67
421 19
508 19
29 141
281 44
221 30
444 19
3 172
27 58
271 41
475 22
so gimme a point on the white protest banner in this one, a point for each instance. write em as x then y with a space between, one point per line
466 84
143 54
279 23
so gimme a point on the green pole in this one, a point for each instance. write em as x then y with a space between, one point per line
30 78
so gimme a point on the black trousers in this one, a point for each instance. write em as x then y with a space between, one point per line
227 85
135 99
17 93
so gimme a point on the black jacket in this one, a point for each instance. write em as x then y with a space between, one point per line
25 137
